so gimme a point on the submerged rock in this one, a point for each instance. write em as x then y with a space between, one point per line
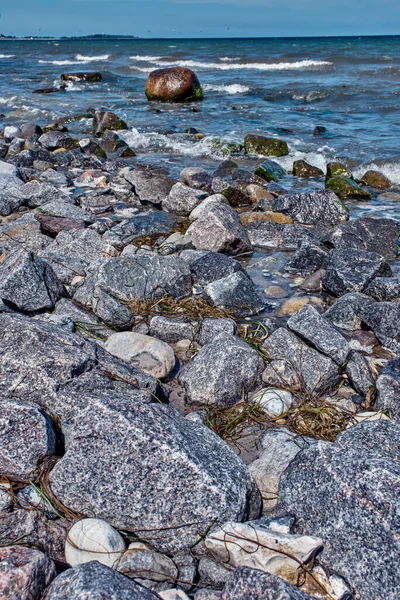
265 146
81 76
175 84
345 187
301 168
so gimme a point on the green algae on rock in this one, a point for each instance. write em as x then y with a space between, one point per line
301 168
265 146
270 171
345 187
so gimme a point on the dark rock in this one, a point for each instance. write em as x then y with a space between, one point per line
309 208
236 369
348 493
81 77
196 178
348 311
207 267
384 320
359 373
388 388
313 282
142 225
149 185
345 187
301 168
226 168
183 199
275 236
376 180
235 294
24 573
92 147
52 140
246 583
319 130
53 225
220 230
334 169
94 581
50 90
318 331
175 84
265 146
385 289
294 361
234 194
270 170
309 258
103 120
367 233
351 270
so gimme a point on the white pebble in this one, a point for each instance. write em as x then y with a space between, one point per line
93 539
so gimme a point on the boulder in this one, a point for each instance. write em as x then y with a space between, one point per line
175 84
270 170
248 583
147 567
345 187
93 581
103 120
351 270
212 329
367 233
359 373
265 146
196 178
384 320
183 199
376 180
301 168
233 193
385 289
347 312
318 332
348 493
235 294
275 236
205 205
150 186
206 267
28 283
293 362
10 193
172 330
24 573
310 208
23 233
220 230
308 258
388 388
172 479
52 140
146 353
236 369
334 169
81 77
90 146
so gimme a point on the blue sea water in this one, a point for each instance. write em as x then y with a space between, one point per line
284 87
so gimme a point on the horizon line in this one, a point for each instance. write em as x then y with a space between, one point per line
4 37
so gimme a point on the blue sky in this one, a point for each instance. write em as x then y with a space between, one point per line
200 18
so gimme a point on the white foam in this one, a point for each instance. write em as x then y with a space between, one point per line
227 59
311 96
391 169
145 58
281 66
7 55
83 58
233 88
59 62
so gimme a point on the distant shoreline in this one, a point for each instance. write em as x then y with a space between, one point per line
95 38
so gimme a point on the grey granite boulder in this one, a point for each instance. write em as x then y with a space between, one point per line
196 178
347 312
359 373
35 193
384 320
220 230
292 360
23 233
212 329
183 199
369 234
275 236
388 388
246 583
150 185
51 140
148 470
221 372
385 289
207 267
94 581
28 283
310 208
235 294
318 331
27 437
348 493
352 270
308 258
24 573
172 330
144 224
10 193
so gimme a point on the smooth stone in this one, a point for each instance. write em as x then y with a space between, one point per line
173 594
367 417
376 180
274 402
174 84
93 540
146 566
150 355
265 146
25 573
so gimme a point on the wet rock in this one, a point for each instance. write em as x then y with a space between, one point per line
313 282
252 583
334 169
236 369
220 230
164 456
376 180
388 388
309 208
103 120
196 178
270 170
352 270
279 448
176 84
301 168
385 289
292 361
359 373
92 147
93 539
183 199
148 354
347 312
235 294
307 259
318 331
383 319
204 206
345 187
150 186
93 581
147 567
234 194
27 437
265 146
24 573
28 283
347 492
293 305
81 77
275 291
248 545
52 140
275 236
367 233
319 130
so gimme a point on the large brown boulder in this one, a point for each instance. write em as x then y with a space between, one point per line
176 84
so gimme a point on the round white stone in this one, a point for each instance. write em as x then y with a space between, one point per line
274 402
150 355
93 539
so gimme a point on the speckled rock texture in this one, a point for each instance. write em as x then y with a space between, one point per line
24 573
248 583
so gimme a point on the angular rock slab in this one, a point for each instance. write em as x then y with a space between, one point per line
221 372
148 470
351 270
348 492
388 388
27 437
182 199
310 208
24 573
347 312
236 294
384 320
369 234
93 581
275 236
248 583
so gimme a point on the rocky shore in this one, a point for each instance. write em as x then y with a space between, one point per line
167 428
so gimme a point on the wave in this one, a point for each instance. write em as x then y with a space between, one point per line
82 58
59 62
391 169
7 55
281 66
233 88
145 58
227 59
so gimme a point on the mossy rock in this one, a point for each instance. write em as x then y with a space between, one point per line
55 127
265 146
104 120
270 170
336 168
223 148
344 187
376 180
127 152
301 168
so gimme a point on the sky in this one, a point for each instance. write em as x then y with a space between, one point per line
200 18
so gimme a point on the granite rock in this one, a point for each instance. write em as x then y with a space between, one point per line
24 573
310 208
248 583
352 270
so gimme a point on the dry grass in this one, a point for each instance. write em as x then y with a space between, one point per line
191 309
